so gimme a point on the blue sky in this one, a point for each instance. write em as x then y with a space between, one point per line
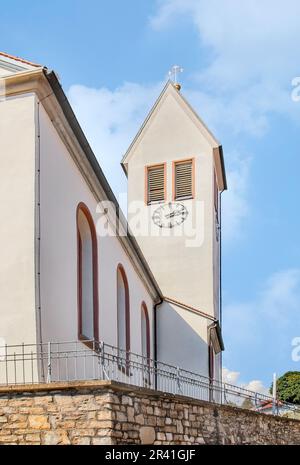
239 60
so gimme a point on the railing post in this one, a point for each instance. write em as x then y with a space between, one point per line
225 399
49 363
102 356
274 403
102 361
178 380
256 402
6 364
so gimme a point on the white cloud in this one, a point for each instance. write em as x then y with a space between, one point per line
110 120
234 201
230 377
261 330
256 386
280 299
233 377
253 48
278 302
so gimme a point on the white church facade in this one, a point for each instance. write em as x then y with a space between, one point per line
72 267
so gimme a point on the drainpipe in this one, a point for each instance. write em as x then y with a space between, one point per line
220 278
155 340
37 233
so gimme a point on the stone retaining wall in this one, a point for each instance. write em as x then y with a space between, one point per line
112 413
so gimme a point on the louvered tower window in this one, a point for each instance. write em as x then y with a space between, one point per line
183 180
155 183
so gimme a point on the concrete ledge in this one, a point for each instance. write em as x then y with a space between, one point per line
55 386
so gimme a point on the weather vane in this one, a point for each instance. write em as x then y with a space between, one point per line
173 74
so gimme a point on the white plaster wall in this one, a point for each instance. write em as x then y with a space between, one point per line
17 213
182 338
62 188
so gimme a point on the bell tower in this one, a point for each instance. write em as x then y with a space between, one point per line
176 174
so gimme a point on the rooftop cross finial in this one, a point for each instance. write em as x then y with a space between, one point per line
173 74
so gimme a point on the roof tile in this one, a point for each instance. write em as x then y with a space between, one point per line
7 55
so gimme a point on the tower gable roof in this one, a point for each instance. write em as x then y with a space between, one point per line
191 113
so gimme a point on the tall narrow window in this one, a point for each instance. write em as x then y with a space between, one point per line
155 183
183 179
87 275
145 332
123 311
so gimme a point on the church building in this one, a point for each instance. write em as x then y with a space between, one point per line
73 267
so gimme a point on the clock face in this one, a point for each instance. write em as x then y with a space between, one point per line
170 215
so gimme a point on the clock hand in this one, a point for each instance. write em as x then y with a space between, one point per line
175 213
180 212
170 215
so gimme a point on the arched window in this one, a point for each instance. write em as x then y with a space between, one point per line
87 259
123 310
145 331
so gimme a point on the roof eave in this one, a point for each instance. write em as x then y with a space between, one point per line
221 156
79 134
128 151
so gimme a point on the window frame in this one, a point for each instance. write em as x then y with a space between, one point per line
146 182
144 310
120 268
147 373
81 337
178 162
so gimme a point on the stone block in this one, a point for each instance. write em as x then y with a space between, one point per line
50 438
39 422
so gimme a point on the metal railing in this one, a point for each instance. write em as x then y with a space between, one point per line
91 360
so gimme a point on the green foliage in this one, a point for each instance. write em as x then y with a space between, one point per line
288 387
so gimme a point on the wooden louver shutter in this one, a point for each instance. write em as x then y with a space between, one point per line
156 183
183 179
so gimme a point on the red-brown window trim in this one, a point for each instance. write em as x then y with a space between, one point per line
148 345
177 162
147 168
121 269
82 207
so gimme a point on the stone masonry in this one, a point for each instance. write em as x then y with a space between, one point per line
97 412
